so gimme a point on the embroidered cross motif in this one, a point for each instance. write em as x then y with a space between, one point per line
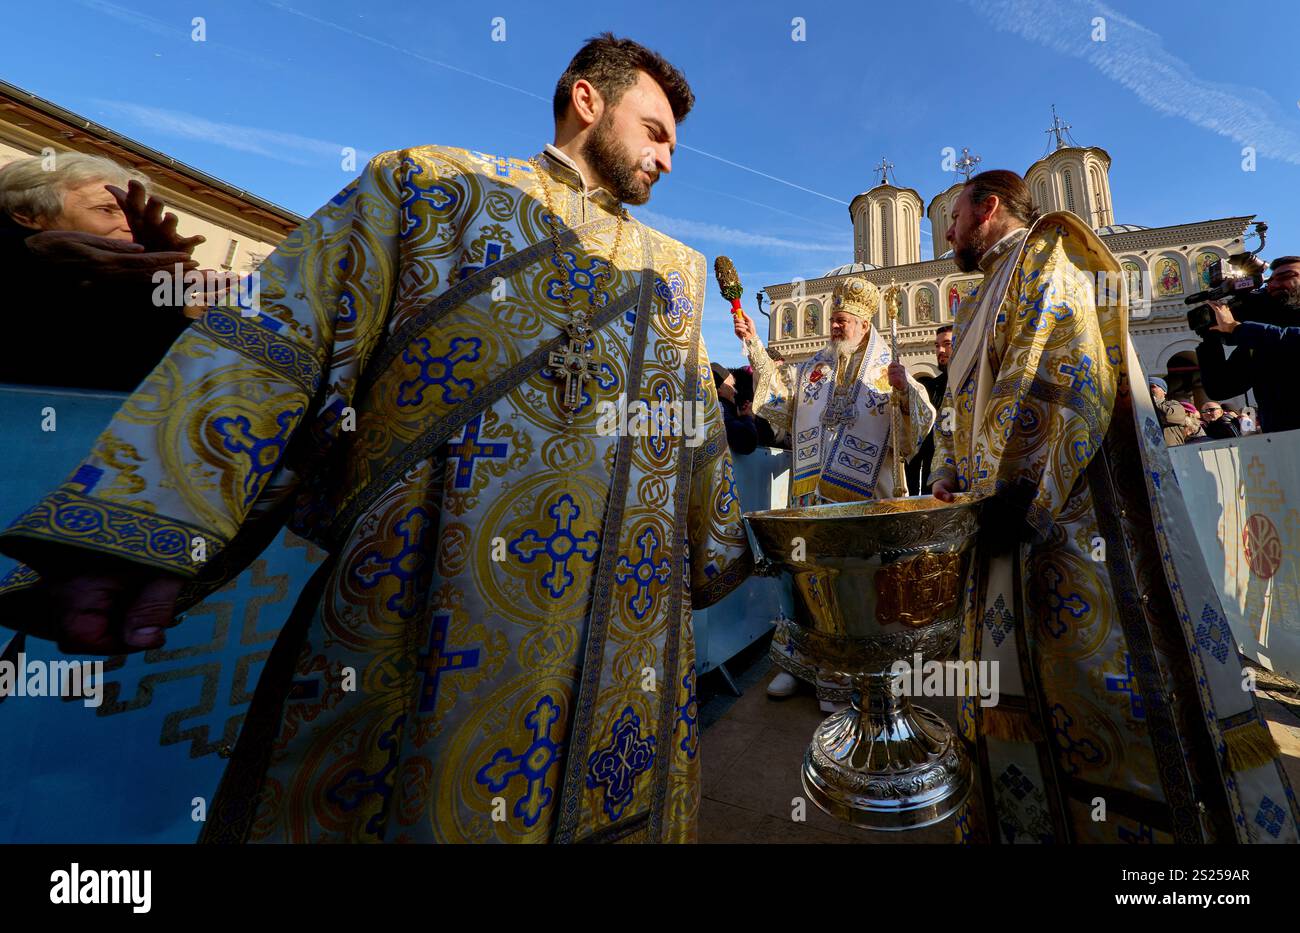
438 370
468 449
1081 375
644 572
438 660
616 766
1127 683
559 547
405 565
531 764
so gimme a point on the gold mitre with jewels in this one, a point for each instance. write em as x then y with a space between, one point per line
856 296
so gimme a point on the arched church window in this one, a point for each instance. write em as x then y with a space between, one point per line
1069 192
884 235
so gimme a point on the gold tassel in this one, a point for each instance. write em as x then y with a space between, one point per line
1003 724
803 486
1249 746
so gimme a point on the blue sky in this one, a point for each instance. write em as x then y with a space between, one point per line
783 135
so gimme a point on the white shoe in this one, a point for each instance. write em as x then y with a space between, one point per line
830 706
783 685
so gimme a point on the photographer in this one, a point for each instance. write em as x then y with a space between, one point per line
1266 353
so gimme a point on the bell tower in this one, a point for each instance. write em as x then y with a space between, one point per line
1072 178
886 222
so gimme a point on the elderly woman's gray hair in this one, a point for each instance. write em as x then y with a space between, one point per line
34 187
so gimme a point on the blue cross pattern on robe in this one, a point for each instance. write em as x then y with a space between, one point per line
263 453
491 254
438 370
615 767
664 424
689 719
404 566
1081 375
358 784
468 450
502 164
440 197
586 278
1073 750
439 660
1060 604
729 496
1127 683
531 764
560 546
644 572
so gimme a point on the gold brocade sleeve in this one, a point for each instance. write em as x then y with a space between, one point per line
1052 400
192 474
774 386
943 465
917 419
720 559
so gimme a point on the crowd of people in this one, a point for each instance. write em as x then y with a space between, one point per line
1183 423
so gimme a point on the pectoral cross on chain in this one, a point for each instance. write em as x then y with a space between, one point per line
576 366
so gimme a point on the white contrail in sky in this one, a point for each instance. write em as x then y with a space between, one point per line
702 230
273 144
279 5
1135 57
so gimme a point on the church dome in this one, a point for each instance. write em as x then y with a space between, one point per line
1120 228
849 269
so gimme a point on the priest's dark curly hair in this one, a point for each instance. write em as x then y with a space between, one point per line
611 65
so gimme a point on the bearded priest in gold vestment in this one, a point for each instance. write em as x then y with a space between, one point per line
1122 715
836 407
509 588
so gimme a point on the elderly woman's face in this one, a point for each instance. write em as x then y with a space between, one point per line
89 208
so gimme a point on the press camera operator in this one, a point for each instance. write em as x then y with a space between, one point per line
1264 327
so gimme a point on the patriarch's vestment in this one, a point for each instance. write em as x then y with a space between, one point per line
838 416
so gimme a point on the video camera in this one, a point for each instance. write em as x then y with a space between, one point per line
1240 286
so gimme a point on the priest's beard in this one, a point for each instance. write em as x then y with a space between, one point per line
611 161
844 349
967 257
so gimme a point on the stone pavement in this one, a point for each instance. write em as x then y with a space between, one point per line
752 748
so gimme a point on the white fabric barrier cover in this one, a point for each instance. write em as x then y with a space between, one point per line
1244 499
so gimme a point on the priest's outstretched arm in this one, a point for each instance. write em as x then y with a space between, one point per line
720 558
775 383
943 464
194 475
918 418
